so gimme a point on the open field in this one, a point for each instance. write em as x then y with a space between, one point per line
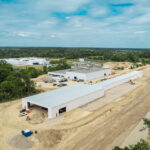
99 125
27 66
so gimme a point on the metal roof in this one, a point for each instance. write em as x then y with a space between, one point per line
62 95
113 80
79 70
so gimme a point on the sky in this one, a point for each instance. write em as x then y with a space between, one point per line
75 23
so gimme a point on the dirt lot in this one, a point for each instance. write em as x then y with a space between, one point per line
48 86
98 126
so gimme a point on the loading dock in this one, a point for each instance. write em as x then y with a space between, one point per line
62 110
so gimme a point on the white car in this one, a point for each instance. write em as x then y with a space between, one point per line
22 114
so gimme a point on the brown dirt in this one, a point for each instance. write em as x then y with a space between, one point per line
20 142
37 115
50 138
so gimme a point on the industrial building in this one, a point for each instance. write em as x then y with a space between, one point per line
88 74
70 97
83 70
86 64
84 74
27 61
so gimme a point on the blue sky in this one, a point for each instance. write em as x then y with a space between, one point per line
75 23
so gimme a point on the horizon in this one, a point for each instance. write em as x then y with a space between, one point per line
117 48
75 24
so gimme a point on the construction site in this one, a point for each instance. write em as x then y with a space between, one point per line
106 111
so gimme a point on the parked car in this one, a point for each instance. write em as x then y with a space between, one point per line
61 84
80 80
22 114
54 84
74 79
103 79
63 80
22 110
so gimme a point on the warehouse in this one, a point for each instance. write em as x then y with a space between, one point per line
64 99
88 74
83 73
27 61
71 97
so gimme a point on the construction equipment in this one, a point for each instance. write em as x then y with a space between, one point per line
22 110
28 118
26 133
104 79
22 114
131 82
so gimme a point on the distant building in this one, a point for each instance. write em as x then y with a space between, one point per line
84 70
27 61
86 64
81 59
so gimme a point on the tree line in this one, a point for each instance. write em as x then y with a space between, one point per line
131 55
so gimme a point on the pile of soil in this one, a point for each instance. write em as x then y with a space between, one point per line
20 142
37 118
37 115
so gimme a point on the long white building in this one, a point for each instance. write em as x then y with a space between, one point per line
27 61
70 97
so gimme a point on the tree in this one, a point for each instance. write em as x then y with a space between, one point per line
142 145
15 83
45 69
147 124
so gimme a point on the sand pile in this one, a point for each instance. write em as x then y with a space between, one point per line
38 115
20 142
37 118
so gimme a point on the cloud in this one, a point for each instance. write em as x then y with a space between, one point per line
52 35
68 17
98 11
139 32
92 23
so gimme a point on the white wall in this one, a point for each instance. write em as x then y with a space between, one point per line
97 74
58 74
116 83
76 103
24 104
88 76
71 75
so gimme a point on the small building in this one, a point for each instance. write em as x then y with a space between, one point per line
81 59
70 97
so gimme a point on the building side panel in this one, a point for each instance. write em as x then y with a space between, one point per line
98 74
77 102
116 83
72 75
24 104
